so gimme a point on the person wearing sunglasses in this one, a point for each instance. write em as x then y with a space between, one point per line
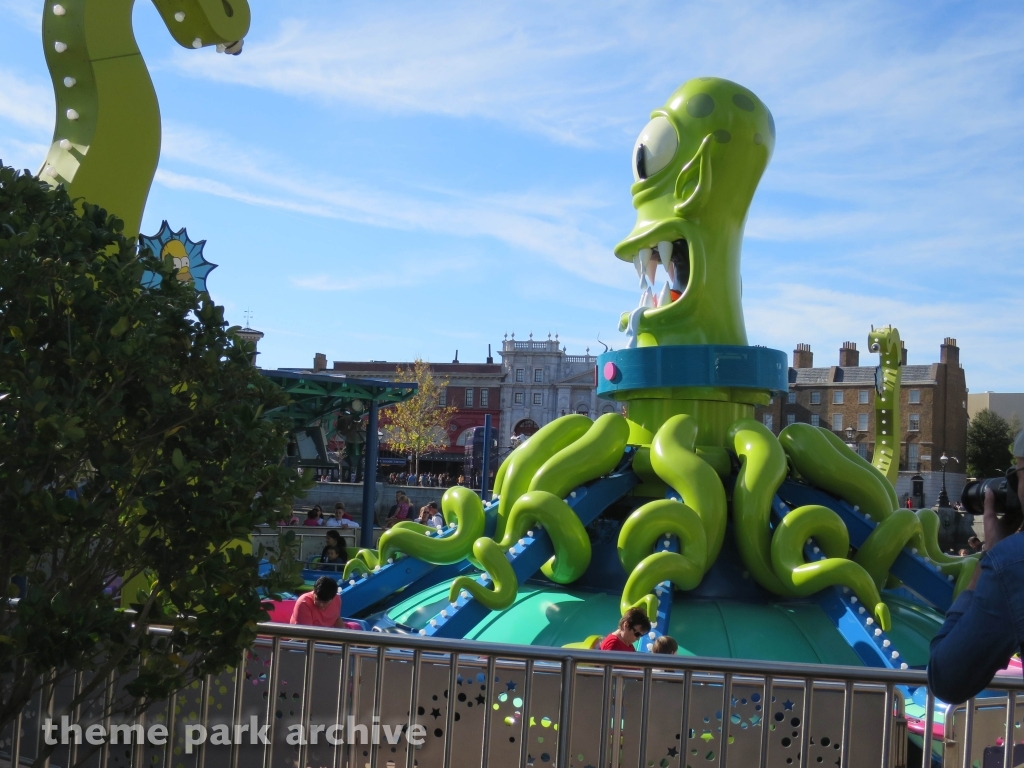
984 626
633 625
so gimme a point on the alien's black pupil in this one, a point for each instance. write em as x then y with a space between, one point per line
641 163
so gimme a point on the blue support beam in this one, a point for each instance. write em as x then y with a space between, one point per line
530 553
917 573
369 478
659 624
371 588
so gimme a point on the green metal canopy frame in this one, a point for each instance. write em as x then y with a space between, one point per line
318 395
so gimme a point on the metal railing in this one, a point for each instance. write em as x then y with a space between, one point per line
478 704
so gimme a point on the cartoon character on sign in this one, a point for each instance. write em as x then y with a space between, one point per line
186 256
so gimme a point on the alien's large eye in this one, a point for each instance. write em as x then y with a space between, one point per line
654 148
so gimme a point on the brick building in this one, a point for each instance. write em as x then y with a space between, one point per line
474 389
933 412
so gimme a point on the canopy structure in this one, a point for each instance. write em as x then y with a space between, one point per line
318 395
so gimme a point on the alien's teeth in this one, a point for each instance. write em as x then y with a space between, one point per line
665 254
645 266
647 298
651 266
665 297
638 266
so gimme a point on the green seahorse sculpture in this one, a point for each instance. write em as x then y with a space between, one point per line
106 140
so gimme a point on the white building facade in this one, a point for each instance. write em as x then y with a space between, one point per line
542 382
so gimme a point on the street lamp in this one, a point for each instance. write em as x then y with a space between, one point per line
850 442
943 496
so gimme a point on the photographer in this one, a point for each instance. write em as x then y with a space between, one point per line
985 625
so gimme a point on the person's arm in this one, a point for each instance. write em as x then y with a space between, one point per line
976 640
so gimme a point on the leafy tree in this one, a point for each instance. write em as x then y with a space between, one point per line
133 446
420 424
988 444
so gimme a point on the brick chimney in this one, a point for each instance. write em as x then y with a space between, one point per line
903 346
319 362
949 352
849 357
803 357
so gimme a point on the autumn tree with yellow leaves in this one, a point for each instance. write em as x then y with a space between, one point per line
420 424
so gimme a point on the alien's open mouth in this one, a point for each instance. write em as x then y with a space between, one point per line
674 257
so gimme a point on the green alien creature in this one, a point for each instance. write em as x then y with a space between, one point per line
689 385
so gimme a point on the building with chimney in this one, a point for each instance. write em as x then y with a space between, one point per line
933 413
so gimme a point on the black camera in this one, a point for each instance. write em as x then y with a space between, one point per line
1003 488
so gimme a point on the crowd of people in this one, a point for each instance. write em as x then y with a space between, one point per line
426 479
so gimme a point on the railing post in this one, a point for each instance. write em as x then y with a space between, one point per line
565 710
275 675
485 748
968 733
766 710
524 740
1011 707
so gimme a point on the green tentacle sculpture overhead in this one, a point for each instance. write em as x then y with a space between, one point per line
106 140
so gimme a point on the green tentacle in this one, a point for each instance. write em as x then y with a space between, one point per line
499 477
458 503
524 462
863 464
831 536
595 454
880 550
762 469
637 537
365 561
568 536
827 466
106 140
494 562
674 460
886 342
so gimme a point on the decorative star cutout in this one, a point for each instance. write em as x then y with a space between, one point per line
187 256
480 699
787 704
672 751
510 685
435 713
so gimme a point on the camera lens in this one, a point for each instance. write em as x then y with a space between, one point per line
1004 489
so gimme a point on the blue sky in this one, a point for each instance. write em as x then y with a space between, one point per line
397 179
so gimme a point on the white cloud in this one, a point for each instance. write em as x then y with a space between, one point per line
551 226
26 104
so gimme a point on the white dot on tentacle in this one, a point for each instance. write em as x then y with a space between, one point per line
72 114
58 10
179 16
60 47
51 171
65 145
197 43
69 82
